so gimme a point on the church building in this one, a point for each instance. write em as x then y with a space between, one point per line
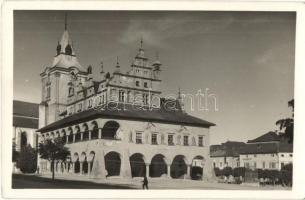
118 125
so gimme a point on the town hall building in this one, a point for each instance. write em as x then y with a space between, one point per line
119 125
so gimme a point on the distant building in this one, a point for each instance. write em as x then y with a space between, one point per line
25 123
226 154
266 152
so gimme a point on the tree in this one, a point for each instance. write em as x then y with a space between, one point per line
227 171
15 153
27 160
287 124
286 174
53 150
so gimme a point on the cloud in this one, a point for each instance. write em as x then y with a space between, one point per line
155 32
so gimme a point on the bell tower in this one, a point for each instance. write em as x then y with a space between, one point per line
55 80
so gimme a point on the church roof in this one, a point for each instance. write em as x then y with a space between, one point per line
268 137
130 112
25 114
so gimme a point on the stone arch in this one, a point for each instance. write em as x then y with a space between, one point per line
90 159
109 129
179 167
70 135
77 134
197 167
113 163
137 165
76 163
57 134
85 130
95 130
84 163
52 135
63 135
158 166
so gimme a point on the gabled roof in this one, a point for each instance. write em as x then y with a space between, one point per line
129 112
227 149
268 137
22 108
25 114
286 148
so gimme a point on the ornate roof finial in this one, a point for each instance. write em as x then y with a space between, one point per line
117 61
141 42
179 93
66 19
102 67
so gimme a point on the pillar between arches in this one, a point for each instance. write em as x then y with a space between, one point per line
147 169
169 171
81 168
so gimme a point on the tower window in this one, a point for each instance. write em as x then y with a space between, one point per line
145 84
137 83
71 91
48 92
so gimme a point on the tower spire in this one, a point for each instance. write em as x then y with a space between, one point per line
66 19
102 67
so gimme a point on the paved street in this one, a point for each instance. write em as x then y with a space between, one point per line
82 182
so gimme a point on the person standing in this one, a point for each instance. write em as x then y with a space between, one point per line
145 183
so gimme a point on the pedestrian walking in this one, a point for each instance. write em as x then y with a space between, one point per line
145 183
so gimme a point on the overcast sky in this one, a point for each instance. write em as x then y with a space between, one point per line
245 58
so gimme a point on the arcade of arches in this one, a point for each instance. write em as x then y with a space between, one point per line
158 166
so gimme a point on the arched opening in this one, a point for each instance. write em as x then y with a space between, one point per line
70 137
84 163
178 167
94 134
158 166
91 159
137 165
113 163
78 134
109 130
197 168
76 163
64 136
24 139
86 132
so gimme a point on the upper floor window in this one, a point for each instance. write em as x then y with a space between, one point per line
185 140
170 140
272 165
139 138
145 99
71 91
200 141
290 155
145 84
254 165
90 103
264 165
129 96
247 165
121 96
137 83
154 139
254 155
80 107
282 155
145 72
272 155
